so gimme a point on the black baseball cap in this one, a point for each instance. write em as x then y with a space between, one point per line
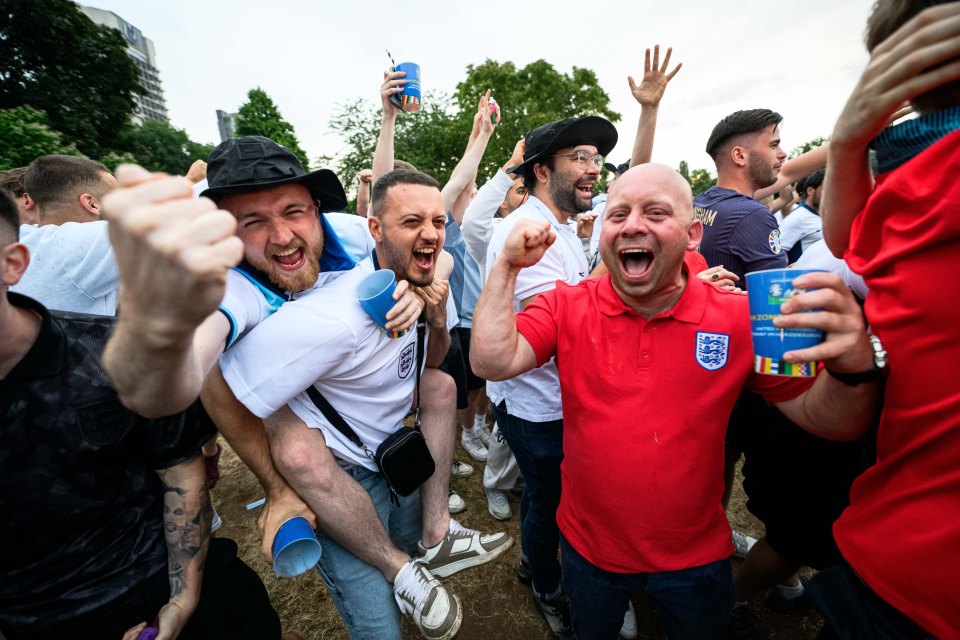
569 132
250 163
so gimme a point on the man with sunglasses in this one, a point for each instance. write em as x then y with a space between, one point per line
561 165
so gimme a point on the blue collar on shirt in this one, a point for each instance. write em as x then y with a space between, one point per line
803 203
333 258
898 144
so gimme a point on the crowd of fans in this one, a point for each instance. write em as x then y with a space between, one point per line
145 315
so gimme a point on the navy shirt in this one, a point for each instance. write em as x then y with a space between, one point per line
738 232
82 504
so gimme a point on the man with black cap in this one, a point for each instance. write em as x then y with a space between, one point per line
561 164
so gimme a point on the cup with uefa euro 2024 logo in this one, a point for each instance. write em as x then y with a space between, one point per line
409 99
767 290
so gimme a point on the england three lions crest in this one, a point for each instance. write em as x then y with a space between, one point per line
406 360
712 349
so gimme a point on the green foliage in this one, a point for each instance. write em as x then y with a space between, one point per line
55 59
25 133
810 145
259 116
158 146
700 179
434 139
114 158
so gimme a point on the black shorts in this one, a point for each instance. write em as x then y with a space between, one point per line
454 366
233 604
796 483
473 380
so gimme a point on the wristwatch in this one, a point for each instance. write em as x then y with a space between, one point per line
870 375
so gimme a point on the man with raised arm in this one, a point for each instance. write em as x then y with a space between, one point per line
902 234
650 430
137 546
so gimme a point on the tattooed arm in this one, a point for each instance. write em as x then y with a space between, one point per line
186 526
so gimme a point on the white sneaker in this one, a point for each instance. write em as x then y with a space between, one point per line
461 549
473 445
484 432
454 502
461 469
498 505
216 522
629 629
742 543
434 610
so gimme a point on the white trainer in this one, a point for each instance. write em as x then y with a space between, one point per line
473 445
434 610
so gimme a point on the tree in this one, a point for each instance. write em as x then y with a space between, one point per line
700 179
259 116
26 133
158 146
434 139
55 59
808 146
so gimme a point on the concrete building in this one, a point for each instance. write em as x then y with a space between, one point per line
227 124
150 105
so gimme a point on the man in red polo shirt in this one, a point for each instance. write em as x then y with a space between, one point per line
643 472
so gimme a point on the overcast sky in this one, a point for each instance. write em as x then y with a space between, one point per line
801 59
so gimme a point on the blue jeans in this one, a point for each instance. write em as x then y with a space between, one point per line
692 604
361 594
852 610
538 448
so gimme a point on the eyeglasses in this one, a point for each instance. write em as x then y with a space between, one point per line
583 157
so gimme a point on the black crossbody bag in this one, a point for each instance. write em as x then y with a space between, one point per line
403 458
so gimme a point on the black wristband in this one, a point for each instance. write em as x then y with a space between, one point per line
854 379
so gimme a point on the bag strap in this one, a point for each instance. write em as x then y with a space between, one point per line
334 417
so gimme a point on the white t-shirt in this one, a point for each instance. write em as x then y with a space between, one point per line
535 395
327 340
72 267
818 256
803 226
248 301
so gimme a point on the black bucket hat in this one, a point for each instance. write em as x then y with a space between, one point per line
569 132
249 163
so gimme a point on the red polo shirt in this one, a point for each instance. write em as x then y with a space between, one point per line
645 409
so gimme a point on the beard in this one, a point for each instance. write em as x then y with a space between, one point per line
293 281
563 193
399 261
760 172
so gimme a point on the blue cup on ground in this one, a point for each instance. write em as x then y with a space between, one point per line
295 548
375 295
409 100
767 290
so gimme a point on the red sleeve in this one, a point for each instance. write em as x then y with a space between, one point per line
538 324
779 388
695 262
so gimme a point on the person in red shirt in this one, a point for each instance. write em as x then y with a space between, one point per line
648 378
900 536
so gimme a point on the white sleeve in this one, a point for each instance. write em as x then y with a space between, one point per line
87 257
354 234
245 304
791 230
477 223
287 353
542 276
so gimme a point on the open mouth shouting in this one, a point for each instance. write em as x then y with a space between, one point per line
424 257
635 263
290 259
584 189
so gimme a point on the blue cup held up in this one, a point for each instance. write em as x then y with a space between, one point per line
295 548
409 100
375 295
767 290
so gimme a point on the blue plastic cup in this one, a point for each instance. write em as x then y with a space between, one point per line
295 548
409 99
375 294
767 290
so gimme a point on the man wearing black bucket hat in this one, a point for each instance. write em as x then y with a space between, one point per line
561 164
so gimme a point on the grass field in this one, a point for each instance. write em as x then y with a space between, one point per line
496 606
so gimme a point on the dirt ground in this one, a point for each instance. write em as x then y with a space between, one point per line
496 605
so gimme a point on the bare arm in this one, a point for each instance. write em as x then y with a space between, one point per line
383 155
831 409
920 56
173 253
649 93
363 193
498 351
248 438
186 522
465 172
